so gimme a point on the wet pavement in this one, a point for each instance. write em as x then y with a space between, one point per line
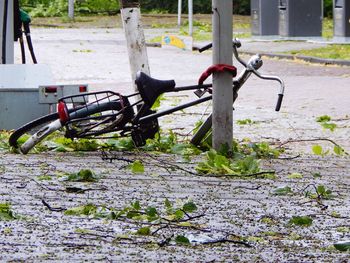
228 207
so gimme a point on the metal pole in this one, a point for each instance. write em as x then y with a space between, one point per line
190 17
135 37
222 82
179 12
71 9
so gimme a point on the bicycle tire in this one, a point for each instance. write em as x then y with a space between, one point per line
202 131
26 128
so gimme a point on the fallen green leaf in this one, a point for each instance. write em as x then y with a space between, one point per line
189 207
342 246
282 191
137 167
304 221
317 149
144 231
295 176
182 240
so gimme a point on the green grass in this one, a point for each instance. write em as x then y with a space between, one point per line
327 31
330 52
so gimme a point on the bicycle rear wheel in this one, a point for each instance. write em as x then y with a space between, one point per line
31 128
83 123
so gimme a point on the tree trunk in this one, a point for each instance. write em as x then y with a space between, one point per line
135 38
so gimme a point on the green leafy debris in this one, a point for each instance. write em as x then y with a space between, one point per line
323 118
189 207
295 176
137 167
343 229
304 221
282 191
338 150
84 175
120 144
4 138
320 192
329 126
245 122
44 178
239 165
86 210
342 246
144 231
182 240
6 213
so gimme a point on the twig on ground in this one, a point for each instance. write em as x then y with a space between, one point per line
312 140
53 209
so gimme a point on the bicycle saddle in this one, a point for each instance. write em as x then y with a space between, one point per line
150 89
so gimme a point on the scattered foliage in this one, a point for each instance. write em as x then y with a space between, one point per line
216 163
324 120
84 175
304 221
295 176
245 122
137 167
6 213
286 190
320 192
342 246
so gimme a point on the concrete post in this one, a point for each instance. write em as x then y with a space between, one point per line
190 17
179 13
71 9
8 46
222 82
135 38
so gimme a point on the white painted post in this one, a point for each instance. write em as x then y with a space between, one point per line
190 17
71 9
179 13
222 82
135 38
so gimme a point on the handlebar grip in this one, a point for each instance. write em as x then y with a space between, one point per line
279 102
202 49
237 43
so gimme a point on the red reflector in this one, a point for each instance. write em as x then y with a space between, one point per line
82 89
62 112
51 90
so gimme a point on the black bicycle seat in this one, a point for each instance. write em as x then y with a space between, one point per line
150 89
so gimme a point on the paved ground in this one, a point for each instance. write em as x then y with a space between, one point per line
228 207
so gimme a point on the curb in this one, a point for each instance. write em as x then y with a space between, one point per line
316 60
309 59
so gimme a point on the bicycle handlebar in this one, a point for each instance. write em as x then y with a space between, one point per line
252 66
280 94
